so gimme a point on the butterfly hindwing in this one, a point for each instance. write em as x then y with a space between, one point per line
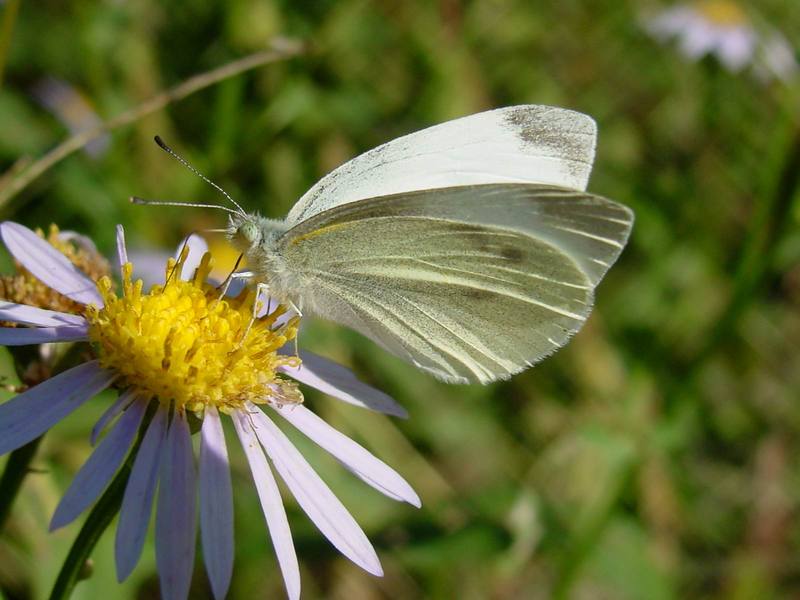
471 283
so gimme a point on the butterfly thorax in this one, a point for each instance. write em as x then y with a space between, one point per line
257 238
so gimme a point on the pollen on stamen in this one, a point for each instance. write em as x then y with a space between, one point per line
181 343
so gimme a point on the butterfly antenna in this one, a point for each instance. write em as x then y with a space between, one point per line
186 164
146 202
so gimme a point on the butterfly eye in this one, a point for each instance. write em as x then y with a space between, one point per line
248 233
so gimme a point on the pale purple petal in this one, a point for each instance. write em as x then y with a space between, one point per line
216 504
737 47
354 456
778 57
137 504
271 504
110 413
335 380
39 317
28 415
48 264
237 285
314 497
122 251
25 336
670 22
149 266
268 304
176 520
698 39
79 240
94 476
197 248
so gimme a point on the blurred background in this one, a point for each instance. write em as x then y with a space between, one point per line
654 457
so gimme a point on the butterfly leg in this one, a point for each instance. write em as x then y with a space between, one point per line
299 314
261 287
295 309
225 285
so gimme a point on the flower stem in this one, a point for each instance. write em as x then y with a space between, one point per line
96 523
13 475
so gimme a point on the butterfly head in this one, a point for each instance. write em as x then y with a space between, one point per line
244 232
249 232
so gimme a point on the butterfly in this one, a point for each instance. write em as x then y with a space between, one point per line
469 249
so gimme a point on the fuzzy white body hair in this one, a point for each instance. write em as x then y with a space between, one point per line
257 237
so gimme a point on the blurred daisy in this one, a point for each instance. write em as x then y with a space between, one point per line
722 28
173 352
72 109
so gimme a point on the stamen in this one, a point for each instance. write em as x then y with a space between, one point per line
180 343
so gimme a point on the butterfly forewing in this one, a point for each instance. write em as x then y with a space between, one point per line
523 144
471 283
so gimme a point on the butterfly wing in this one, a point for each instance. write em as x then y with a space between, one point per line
523 144
471 283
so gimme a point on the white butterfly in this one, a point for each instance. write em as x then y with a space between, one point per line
469 249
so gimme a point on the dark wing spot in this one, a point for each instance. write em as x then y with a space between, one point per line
561 140
477 293
474 235
512 254
465 228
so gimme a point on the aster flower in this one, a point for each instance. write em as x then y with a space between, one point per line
174 352
723 29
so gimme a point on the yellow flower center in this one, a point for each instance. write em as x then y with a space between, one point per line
180 343
225 257
722 12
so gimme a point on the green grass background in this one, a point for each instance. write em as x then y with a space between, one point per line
654 457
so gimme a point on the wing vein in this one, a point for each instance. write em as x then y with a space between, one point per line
591 236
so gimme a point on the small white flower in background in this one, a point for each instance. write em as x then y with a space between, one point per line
177 350
72 109
723 29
